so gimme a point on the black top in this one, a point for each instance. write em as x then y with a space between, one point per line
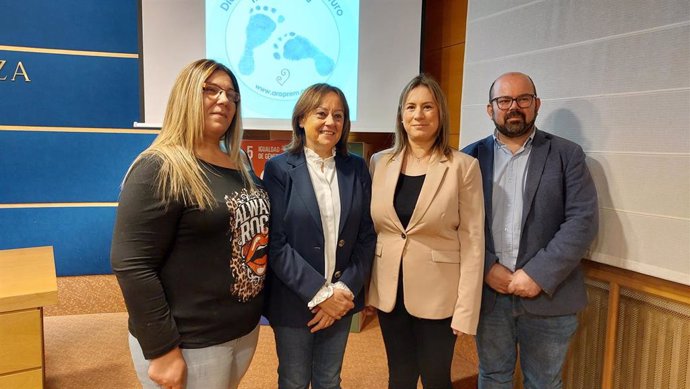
190 278
406 194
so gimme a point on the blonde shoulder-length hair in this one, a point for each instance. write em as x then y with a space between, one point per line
181 177
441 144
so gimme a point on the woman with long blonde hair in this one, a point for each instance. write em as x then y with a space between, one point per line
189 241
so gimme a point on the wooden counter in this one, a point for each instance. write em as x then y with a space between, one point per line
27 283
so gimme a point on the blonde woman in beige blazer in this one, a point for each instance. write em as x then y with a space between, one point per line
428 211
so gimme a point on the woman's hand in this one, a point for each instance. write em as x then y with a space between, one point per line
338 304
169 370
320 321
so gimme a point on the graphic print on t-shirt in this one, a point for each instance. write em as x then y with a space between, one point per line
249 231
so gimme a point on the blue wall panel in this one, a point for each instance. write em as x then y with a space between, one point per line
69 91
103 25
81 236
50 167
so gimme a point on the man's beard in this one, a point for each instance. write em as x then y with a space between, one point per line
515 130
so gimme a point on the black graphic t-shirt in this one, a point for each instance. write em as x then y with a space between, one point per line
249 229
190 278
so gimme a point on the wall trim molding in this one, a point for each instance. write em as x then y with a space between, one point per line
41 50
79 129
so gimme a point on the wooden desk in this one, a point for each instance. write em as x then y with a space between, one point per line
27 283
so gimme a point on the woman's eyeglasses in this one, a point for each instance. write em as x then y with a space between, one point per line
214 91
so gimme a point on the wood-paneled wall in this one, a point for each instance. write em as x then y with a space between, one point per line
443 52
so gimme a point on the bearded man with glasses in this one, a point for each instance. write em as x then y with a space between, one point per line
541 216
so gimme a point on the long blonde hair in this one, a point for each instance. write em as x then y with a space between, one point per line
441 144
181 178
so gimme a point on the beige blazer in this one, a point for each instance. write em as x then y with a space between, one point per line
442 248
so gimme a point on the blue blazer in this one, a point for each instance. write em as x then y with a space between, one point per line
559 221
296 257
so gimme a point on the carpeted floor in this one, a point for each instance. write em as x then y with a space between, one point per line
87 349
90 352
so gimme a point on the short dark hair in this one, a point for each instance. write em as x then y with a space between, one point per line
309 101
491 88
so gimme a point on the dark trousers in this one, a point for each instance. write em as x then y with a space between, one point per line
416 347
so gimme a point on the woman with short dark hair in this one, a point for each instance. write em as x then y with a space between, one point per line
322 241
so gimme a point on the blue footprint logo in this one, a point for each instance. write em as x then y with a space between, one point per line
298 48
259 29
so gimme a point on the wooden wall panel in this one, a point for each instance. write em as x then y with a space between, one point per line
444 23
432 35
444 53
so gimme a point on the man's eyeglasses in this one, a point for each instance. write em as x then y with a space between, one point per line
214 91
523 101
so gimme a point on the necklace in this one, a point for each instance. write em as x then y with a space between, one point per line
417 159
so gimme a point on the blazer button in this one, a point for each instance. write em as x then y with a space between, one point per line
341 243
317 248
403 236
337 274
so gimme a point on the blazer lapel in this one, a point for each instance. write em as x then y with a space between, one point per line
303 187
485 155
434 176
392 174
346 182
537 160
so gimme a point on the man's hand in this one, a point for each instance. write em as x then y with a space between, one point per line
338 304
169 370
523 285
498 278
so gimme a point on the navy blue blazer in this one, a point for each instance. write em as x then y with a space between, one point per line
296 256
559 222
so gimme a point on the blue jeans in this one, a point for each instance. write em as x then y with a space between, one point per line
543 344
305 358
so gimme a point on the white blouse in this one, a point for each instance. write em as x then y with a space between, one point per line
325 182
